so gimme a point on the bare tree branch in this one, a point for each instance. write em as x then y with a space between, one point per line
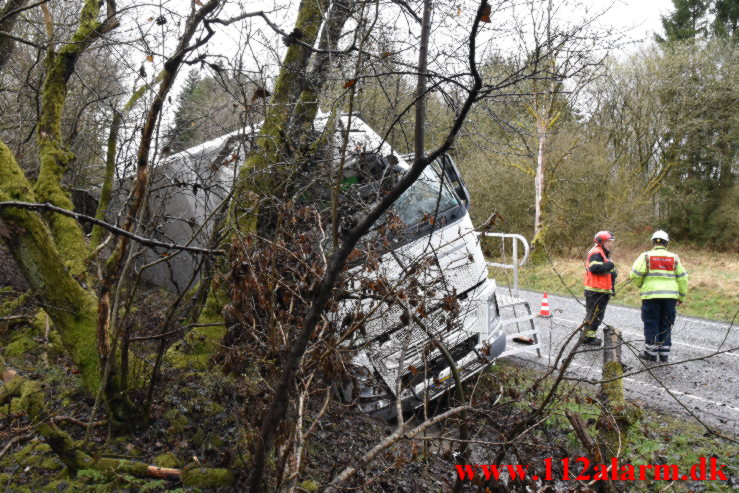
113 229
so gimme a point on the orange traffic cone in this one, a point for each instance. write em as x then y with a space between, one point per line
544 312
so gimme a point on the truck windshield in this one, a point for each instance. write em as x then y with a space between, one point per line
369 177
429 196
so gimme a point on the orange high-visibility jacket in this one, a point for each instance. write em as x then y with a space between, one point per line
597 273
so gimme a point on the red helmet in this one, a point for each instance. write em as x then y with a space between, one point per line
602 236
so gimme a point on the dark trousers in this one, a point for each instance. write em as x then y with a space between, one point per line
595 309
658 316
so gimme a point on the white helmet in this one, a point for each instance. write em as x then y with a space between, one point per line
660 235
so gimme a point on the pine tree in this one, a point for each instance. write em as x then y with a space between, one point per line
686 22
725 21
184 120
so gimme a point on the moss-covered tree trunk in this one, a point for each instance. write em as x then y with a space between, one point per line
271 148
54 157
617 416
72 308
293 108
51 254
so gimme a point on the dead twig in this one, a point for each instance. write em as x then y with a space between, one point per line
13 441
113 229
389 441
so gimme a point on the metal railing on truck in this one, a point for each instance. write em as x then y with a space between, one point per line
512 300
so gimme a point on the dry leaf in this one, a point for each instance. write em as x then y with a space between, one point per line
349 83
260 93
459 11
485 15
198 2
422 311
150 58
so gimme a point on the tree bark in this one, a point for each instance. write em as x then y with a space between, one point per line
8 18
617 415
54 157
110 162
288 98
72 308
539 241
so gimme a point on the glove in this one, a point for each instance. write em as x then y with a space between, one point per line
608 266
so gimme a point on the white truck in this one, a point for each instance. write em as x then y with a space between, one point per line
398 354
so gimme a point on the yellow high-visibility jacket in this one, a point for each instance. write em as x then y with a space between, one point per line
660 274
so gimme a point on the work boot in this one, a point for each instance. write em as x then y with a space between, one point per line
647 357
663 358
592 341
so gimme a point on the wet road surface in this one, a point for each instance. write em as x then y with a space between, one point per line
701 382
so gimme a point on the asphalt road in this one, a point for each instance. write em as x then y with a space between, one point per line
701 382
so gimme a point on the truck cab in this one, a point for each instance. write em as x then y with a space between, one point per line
445 317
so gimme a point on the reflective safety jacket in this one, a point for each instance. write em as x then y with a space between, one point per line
660 274
598 270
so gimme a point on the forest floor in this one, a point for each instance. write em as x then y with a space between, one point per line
713 285
199 417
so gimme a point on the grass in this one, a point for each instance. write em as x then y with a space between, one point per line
713 286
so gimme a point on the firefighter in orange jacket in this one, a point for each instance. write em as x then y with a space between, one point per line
600 279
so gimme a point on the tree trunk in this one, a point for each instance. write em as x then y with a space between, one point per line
539 243
287 99
7 22
617 415
72 308
54 157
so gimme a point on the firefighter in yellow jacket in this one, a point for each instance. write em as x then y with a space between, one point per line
600 279
663 282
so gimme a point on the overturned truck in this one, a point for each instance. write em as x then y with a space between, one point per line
405 353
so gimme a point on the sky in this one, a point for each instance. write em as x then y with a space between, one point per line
641 17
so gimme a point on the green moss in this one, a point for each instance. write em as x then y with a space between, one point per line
20 346
177 421
36 455
67 232
199 436
168 459
309 485
197 476
64 484
15 408
194 350
74 311
614 389
116 466
13 305
39 323
212 408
